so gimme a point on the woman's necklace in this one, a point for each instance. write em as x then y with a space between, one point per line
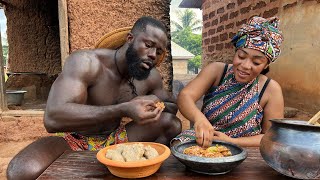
129 80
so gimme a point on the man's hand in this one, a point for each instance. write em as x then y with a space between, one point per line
143 109
204 132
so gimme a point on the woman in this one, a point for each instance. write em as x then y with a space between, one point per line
239 100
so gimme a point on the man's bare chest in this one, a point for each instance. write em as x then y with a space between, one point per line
111 93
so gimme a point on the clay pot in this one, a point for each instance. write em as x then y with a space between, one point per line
292 147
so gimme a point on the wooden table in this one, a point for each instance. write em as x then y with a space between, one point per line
84 165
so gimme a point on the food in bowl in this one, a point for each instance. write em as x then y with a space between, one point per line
131 152
210 166
135 169
212 152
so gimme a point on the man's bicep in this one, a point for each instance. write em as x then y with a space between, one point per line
68 90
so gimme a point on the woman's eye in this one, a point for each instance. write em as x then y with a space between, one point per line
241 57
255 63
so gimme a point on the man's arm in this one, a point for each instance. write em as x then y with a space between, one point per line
66 106
162 94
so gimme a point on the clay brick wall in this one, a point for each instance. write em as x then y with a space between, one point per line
297 68
90 20
221 20
33 36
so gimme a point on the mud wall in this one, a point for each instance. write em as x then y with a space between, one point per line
90 20
33 36
297 69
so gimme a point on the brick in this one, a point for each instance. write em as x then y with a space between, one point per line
240 2
220 28
234 14
214 22
228 45
204 35
230 25
273 1
287 6
224 18
212 31
207 41
223 36
239 23
212 14
245 9
220 10
205 17
270 13
259 5
231 35
211 48
214 39
206 25
231 5
219 47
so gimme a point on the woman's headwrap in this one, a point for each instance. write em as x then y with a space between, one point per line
260 34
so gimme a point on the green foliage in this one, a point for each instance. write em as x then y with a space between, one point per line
194 64
5 54
184 36
186 39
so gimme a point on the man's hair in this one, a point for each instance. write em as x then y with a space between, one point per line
141 24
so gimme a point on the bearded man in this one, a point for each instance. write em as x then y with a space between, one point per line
95 90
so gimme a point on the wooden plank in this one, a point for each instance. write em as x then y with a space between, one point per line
314 119
3 95
64 30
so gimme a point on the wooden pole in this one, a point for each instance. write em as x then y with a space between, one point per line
64 30
3 95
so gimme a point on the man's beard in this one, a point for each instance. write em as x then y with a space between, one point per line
134 64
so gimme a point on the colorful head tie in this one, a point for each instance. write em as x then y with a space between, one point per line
260 34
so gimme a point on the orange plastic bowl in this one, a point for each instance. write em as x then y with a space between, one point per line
137 169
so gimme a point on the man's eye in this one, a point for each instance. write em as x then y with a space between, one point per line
148 45
159 52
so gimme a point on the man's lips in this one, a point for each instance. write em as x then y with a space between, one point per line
147 64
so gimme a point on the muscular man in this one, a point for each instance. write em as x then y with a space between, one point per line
95 90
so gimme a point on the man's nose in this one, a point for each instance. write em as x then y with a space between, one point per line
152 53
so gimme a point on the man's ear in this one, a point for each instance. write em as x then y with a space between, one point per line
130 37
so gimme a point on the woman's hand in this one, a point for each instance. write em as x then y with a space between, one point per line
204 132
217 135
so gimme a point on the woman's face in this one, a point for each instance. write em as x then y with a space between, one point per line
248 64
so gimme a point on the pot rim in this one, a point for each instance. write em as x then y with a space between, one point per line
294 122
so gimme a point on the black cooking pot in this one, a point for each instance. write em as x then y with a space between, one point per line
292 147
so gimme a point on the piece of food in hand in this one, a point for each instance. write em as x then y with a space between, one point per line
160 105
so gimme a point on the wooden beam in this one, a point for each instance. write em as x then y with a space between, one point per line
64 30
3 95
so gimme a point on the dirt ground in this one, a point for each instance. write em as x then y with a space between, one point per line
18 129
